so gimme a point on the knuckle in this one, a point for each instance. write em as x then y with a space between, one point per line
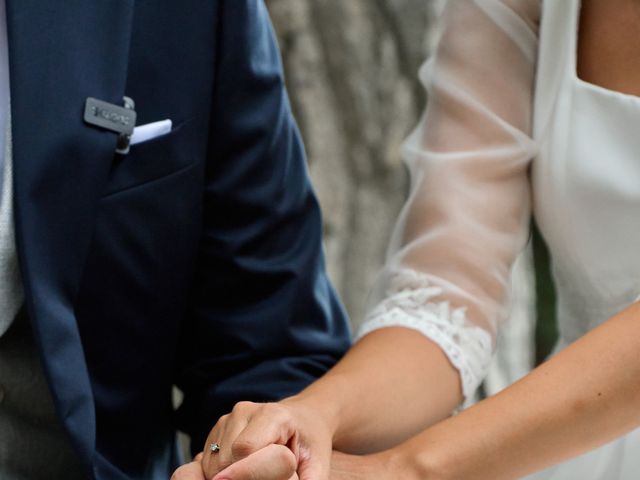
242 448
286 458
283 414
212 468
221 465
241 408
219 424
221 421
277 413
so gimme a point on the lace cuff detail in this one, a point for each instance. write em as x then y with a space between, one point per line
409 304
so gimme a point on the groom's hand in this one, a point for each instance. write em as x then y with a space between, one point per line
302 438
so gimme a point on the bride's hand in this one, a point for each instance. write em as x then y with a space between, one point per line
250 427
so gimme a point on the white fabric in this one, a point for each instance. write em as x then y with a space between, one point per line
149 131
515 346
468 213
4 82
488 153
11 294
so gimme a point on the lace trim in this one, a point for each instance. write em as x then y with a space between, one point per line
409 304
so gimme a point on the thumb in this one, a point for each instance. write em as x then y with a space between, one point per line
314 463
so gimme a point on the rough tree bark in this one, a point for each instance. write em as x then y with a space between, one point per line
351 69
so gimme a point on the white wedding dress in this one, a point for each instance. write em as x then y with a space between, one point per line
510 131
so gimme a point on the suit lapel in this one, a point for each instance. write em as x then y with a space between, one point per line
60 53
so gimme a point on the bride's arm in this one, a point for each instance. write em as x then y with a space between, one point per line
586 395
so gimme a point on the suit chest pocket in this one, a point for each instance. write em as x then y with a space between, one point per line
150 160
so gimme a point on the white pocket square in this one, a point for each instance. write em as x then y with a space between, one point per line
149 131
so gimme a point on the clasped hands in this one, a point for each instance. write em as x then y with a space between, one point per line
282 441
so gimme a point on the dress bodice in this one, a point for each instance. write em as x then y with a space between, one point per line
585 179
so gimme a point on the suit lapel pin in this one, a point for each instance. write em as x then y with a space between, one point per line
115 118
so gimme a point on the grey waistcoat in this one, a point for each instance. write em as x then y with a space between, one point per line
33 444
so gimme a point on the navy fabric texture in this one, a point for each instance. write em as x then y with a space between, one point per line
194 260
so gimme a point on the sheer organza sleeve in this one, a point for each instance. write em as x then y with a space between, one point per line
448 269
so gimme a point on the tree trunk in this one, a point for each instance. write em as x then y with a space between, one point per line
351 69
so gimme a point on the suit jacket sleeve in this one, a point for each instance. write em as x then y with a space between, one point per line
265 320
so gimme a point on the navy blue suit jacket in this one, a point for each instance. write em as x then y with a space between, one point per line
195 259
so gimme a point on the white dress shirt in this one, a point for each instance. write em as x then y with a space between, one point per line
11 294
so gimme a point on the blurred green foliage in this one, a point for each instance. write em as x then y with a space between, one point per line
546 326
